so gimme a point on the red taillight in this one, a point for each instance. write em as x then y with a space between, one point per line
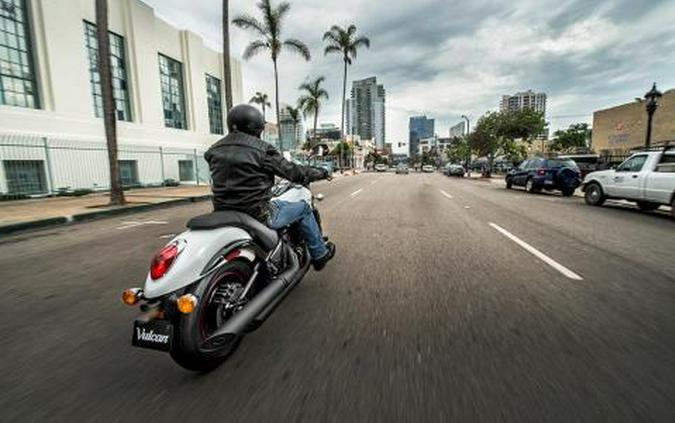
163 261
542 172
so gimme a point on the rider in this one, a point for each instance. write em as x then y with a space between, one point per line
243 169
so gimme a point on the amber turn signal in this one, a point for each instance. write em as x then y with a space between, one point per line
130 296
186 303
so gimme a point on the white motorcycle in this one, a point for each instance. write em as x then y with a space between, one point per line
217 281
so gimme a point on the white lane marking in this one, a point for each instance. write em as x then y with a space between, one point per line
167 236
356 192
129 225
541 256
446 194
467 207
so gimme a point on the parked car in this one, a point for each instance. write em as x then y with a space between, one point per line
402 169
646 177
454 170
427 169
549 174
586 163
380 167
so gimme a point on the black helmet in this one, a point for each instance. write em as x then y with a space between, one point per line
247 119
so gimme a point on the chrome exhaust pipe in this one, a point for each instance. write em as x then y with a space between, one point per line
238 324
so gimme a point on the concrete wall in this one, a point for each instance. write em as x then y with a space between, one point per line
620 128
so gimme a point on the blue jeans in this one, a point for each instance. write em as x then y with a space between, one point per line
285 213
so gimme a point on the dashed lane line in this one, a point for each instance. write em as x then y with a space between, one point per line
541 256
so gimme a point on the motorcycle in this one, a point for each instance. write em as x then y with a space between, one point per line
217 281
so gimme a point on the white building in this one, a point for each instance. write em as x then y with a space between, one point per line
527 99
457 130
167 85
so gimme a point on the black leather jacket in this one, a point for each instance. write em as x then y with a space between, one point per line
242 172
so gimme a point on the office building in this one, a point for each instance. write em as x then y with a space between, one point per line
168 90
290 132
365 111
419 127
524 100
457 130
325 131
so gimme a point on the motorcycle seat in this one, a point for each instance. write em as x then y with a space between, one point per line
265 237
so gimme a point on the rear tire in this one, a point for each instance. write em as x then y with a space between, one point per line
568 192
647 205
192 329
594 195
530 187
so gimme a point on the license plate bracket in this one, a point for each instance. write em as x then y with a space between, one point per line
155 335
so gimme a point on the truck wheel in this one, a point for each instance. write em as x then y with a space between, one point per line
647 206
594 195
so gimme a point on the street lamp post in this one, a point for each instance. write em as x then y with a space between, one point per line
652 98
468 131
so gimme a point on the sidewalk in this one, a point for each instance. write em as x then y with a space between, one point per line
25 214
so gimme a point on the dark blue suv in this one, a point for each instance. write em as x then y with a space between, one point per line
549 174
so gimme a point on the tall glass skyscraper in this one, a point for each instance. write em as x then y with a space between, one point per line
365 111
420 127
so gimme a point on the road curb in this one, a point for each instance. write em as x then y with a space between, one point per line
15 228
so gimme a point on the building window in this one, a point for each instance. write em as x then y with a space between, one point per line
128 172
17 76
25 177
215 101
173 95
118 70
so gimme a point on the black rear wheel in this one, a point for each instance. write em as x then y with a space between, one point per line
191 330
568 192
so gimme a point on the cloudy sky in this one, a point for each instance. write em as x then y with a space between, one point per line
446 58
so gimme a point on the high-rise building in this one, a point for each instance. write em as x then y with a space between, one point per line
290 133
419 127
365 111
527 99
457 130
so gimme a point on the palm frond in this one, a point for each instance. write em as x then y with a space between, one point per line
351 30
299 47
245 21
361 41
332 48
254 48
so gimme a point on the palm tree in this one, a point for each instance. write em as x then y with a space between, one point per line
227 72
262 100
345 42
310 101
294 117
109 108
269 31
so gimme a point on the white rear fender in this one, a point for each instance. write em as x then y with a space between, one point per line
197 249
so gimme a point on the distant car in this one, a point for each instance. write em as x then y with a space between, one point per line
402 170
454 170
549 174
427 169
380 167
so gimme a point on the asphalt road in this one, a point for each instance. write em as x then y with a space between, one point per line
448 300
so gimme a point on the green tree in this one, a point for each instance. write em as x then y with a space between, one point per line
498 133
458 150
573 137
346 43
269 31
262 100
227 72
310 102
109 107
